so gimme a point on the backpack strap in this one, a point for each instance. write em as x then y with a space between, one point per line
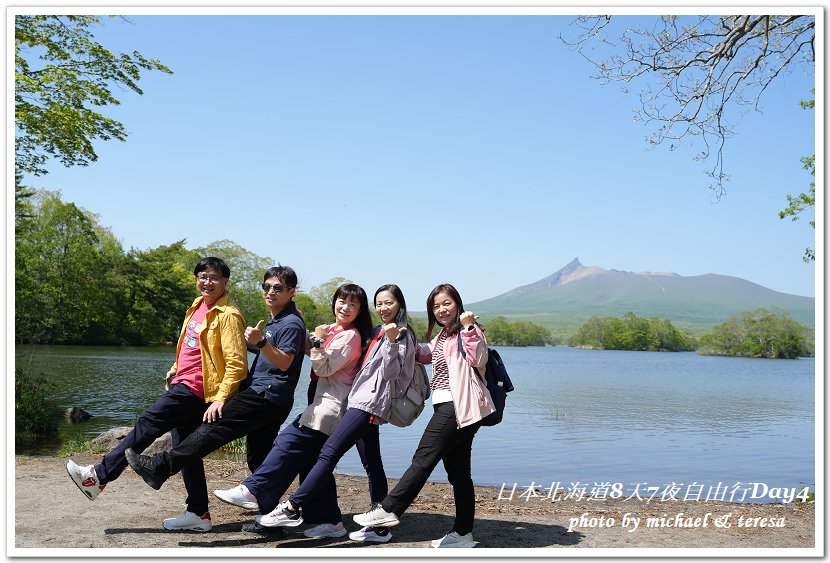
464 355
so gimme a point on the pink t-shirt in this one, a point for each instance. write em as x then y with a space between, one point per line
189 362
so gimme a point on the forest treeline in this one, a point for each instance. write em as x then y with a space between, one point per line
762 333
75 283
632 333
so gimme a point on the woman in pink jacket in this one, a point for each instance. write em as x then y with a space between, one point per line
460 400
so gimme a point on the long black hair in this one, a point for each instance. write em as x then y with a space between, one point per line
363 321
455 325
401 319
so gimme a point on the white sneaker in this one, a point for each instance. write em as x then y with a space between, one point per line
368 534
280 516
377 517
189 521
326 531
85 478
239 496
454 540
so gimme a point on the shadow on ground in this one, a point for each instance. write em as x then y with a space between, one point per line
416 529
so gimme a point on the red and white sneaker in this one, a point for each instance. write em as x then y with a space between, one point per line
85 479
189 521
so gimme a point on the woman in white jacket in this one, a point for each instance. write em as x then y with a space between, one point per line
460 401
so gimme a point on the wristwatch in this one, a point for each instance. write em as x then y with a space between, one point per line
261 343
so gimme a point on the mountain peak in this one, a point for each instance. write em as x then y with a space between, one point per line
578 292
571 271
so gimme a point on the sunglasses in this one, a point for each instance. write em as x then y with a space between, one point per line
266 287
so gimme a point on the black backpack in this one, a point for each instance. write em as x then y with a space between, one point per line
498 383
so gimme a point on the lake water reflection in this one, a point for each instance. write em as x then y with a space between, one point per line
576 415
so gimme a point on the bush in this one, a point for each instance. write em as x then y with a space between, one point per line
502 332
632 333
35 415
761 333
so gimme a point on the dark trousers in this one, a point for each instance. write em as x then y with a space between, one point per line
349 431
294 452
442 441
323 509
179 410
368 447
246 413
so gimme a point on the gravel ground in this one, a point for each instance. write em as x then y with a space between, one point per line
51 514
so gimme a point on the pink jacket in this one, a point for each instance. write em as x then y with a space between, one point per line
469 393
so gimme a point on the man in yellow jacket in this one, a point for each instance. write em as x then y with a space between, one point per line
211 363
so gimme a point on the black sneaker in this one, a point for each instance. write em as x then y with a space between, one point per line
152 469
254 529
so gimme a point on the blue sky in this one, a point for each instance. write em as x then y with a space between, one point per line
475 150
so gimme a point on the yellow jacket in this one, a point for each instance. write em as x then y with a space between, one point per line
222 347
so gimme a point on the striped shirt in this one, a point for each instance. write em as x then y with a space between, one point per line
440 372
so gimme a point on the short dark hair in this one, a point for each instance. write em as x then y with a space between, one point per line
285 273
401 318
454 325
212 263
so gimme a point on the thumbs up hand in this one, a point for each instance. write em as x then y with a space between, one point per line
254 334
392 331
468 318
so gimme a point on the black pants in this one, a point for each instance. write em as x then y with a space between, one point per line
179 410
246 413
442 441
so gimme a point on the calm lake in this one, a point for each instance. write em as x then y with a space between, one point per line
576 415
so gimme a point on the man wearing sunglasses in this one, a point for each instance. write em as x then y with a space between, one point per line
258 410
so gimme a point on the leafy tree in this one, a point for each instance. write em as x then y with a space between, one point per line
632 333
63 281
62 78
664 337
700 73
23 212
158 289
761 333
503 332
803 201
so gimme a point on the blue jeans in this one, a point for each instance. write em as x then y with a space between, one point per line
294 452
179 411
349 431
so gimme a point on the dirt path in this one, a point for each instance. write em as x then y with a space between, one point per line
50 512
